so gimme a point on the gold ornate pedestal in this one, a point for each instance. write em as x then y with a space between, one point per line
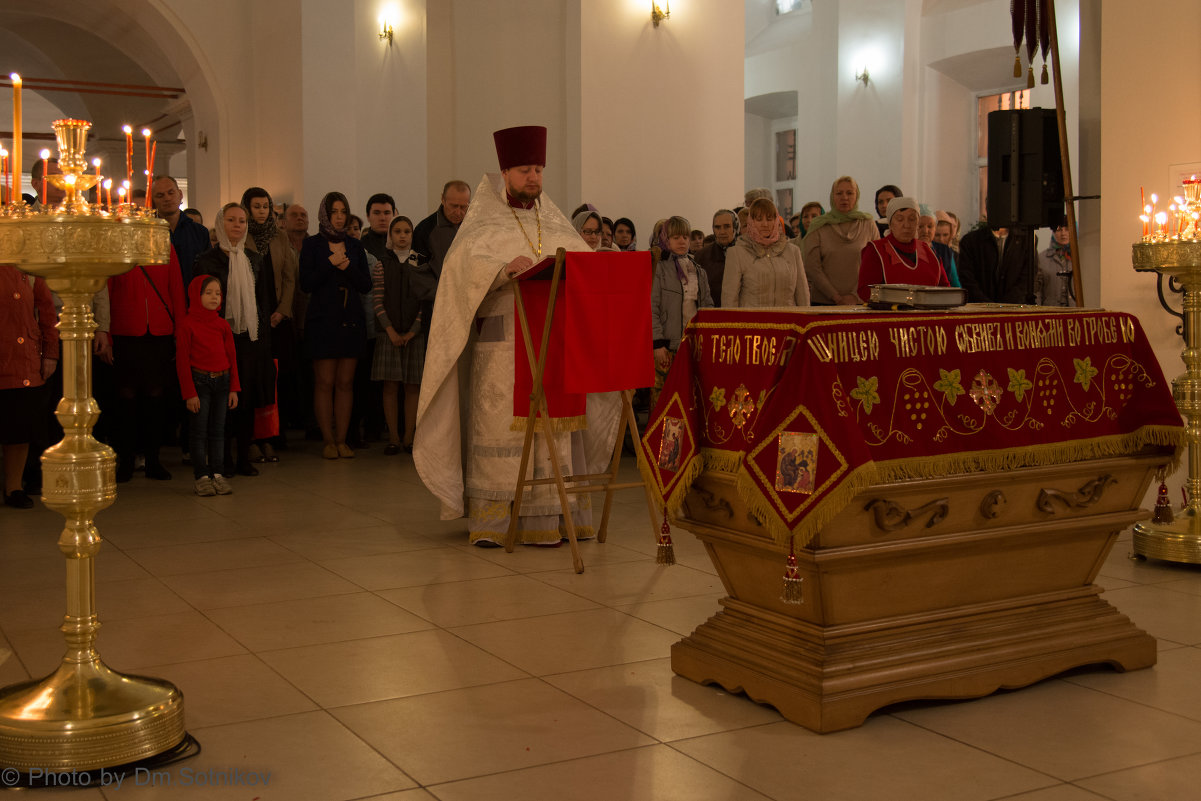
83 716
1179 541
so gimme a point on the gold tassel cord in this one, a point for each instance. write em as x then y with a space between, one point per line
1044 80
1162 514
791 593
1030 78
1017 65
666 552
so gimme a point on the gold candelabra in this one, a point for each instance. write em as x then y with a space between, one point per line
84 715
1180 540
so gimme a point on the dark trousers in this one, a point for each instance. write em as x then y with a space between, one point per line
207 427
143 369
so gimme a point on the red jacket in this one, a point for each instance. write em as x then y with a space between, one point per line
25 337
203 340
135 309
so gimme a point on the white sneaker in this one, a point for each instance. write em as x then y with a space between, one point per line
221 486
204 487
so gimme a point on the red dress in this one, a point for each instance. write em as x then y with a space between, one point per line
887 261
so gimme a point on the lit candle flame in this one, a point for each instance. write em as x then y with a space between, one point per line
45 154
127 129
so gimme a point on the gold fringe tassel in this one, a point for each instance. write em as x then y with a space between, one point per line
721 461
1017 65
1036 455
791 593
1030 78
1044 79
665 554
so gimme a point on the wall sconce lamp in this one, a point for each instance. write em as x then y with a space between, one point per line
659 14
863 77
385 30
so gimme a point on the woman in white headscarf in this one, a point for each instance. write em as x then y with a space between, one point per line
246 307
588 223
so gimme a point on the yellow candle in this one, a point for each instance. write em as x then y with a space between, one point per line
146 134
16 79
45 154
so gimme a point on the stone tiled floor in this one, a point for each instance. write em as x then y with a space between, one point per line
327 628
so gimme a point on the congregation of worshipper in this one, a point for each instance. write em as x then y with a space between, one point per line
600 399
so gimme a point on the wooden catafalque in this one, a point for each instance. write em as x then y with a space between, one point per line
83 716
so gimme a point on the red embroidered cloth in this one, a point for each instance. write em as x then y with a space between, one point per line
809 409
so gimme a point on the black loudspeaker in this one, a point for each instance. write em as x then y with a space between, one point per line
1025 174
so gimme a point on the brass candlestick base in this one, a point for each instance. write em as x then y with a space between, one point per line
84 716
1179 541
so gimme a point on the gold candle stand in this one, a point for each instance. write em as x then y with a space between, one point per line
1180 540
84 716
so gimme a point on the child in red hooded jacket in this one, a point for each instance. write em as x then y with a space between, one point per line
208 381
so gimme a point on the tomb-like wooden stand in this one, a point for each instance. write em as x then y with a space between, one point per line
943 588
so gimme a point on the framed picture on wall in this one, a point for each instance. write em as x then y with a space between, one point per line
786 155
784 202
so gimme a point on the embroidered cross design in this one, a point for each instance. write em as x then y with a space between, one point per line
986 392
741 406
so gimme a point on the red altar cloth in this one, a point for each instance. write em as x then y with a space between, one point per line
600 338
808 409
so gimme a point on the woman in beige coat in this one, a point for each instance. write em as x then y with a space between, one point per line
763 268
833 243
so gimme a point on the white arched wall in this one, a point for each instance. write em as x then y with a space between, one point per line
661 121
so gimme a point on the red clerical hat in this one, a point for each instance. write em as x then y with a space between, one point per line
516 147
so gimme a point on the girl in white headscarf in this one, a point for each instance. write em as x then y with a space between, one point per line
245 307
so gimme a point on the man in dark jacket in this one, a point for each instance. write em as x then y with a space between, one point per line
381 209
713 255
433 235
996 266
188 237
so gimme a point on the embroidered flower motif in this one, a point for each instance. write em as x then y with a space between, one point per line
1085 372
1019 385
949 384
718 398
866 393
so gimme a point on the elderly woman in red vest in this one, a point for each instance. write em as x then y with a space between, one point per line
900 257
28 356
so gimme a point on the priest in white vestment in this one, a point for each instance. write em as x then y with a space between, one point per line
466 449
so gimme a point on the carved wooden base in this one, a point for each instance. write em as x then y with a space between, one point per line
832 678
991 586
